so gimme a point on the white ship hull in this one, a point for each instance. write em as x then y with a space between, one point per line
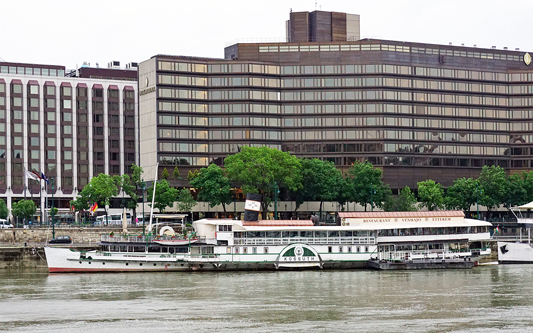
62 260
515 253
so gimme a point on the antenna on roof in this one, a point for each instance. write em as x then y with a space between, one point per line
2 59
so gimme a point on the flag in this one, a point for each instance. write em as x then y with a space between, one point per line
94 207
36 174
497 230
44 177
31 175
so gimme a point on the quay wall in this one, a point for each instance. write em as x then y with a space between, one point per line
39 236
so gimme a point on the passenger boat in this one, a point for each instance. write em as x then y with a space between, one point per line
382 240
395 240
520 251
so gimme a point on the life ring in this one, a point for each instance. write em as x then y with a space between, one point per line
166 230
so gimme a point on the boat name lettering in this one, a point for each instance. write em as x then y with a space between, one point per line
442 219
299 258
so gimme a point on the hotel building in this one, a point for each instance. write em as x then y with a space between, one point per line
68 128
418 111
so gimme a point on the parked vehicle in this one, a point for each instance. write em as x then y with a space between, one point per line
4 224
61 240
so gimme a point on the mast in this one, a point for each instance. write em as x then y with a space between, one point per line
153 197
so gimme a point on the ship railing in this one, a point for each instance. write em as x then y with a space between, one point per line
420 255
305 240
133 238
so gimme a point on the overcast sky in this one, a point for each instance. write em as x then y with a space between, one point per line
70 32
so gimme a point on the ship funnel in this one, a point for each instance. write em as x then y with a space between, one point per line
252 207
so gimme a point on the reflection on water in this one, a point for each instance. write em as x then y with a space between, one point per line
483 299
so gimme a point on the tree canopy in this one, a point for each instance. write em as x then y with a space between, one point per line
404 202
365 185
23 209
260 168
213 186
431 195
462 194
4 211
100 190
165 196
321 181
492 185
185 200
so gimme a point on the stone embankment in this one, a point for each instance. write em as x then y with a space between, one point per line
23 248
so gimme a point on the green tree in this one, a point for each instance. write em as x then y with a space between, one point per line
519 189
176 174
4 211
164 175
185 201
192 174
321 181
462 194
100 190
260 168
405 202
214 187
492 185
365 185
165 196
23 209
431 194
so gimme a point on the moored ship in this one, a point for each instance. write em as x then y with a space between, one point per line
521 250
392 240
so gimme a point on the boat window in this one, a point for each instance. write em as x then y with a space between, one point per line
330 249
244 250
236 250
254 250
349 249
321 234
285 234
346 233
306 234
239 234
340 249
228 250
333 234
358 249
293 234
265 250
273 234
224 227
366 248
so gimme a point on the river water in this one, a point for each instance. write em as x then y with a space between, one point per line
483 299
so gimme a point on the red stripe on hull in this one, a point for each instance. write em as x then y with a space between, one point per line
110 270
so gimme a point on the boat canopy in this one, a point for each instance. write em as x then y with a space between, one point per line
527 206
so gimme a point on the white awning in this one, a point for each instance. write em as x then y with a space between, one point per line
527 206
